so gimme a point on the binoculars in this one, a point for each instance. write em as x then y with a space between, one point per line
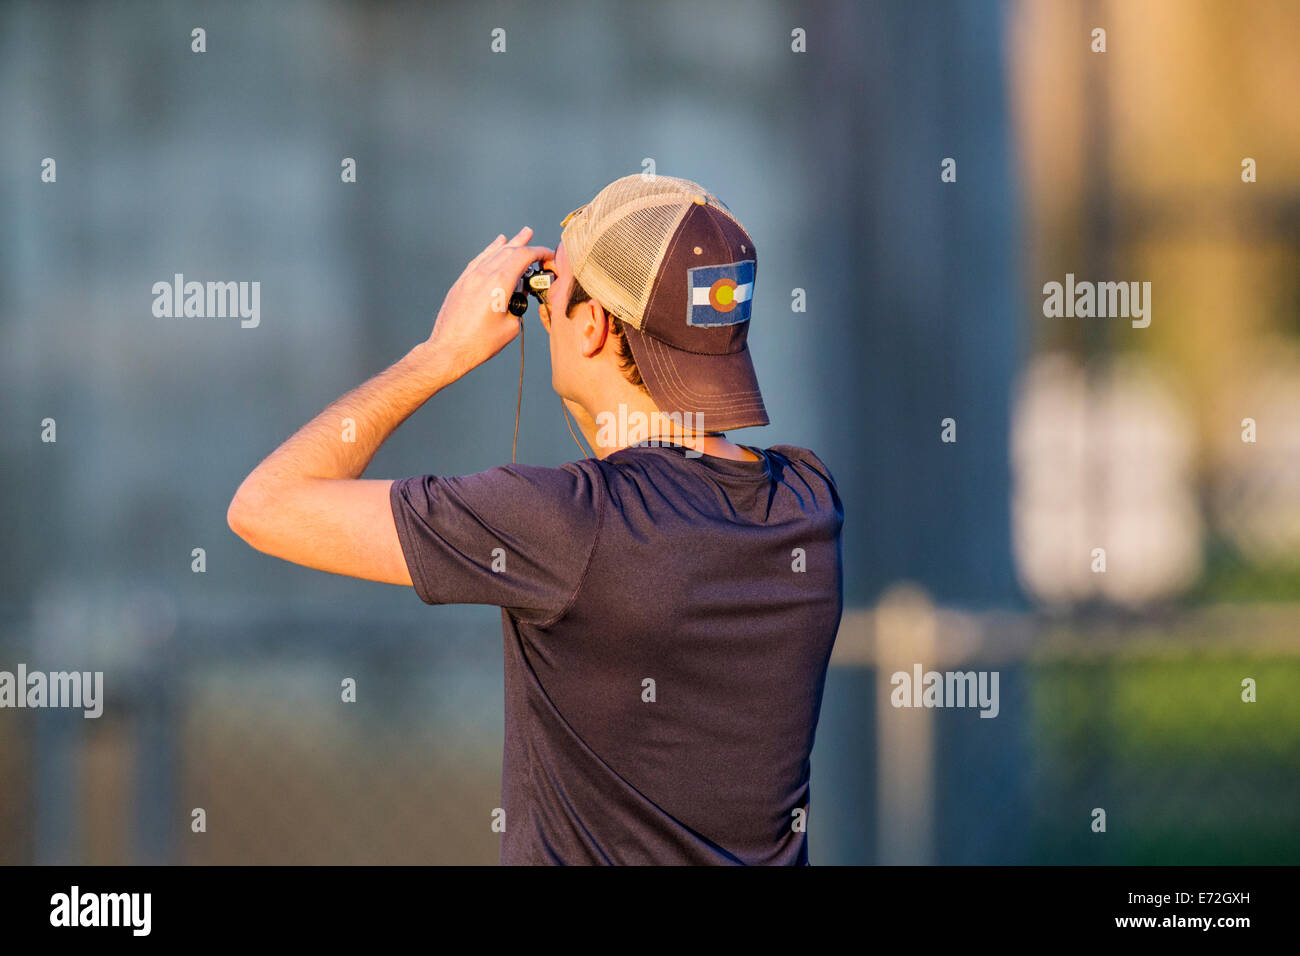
534 282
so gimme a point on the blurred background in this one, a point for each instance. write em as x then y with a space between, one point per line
1120 689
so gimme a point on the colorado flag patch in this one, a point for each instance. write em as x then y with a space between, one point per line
720 295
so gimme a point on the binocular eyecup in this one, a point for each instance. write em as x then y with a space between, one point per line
534 282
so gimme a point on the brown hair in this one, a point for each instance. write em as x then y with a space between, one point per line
578 295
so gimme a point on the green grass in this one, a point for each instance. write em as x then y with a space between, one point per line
1186 771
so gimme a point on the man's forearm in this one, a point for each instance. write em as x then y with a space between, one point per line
341 440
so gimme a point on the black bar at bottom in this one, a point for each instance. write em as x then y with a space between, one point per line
302 905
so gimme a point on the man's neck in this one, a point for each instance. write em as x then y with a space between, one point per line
628 424
719 446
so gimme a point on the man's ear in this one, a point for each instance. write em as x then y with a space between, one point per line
594 328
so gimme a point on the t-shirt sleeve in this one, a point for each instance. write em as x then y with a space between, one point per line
515 536
820 475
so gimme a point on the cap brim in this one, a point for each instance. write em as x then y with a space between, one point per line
720 390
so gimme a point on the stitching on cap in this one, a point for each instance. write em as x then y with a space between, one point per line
659 266
689 396
692 351
687 390
682 394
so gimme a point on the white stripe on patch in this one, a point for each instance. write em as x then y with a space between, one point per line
700 294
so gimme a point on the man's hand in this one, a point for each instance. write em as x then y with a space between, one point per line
474 322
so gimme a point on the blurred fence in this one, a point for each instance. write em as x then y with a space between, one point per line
240 714
1140 716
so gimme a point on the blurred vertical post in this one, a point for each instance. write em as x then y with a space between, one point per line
905 636
914 291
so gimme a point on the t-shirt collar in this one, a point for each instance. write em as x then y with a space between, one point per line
728 466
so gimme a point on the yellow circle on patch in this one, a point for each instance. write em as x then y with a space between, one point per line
722 295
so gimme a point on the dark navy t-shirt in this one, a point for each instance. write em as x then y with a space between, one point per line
668 619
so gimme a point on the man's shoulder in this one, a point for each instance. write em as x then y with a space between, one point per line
514 487
804 456
517 474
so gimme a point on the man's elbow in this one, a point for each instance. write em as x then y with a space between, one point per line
244 513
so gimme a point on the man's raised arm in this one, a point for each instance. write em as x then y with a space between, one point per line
307 502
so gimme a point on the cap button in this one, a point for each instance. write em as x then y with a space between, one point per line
700 200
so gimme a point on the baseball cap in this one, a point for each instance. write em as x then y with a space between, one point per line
671 260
